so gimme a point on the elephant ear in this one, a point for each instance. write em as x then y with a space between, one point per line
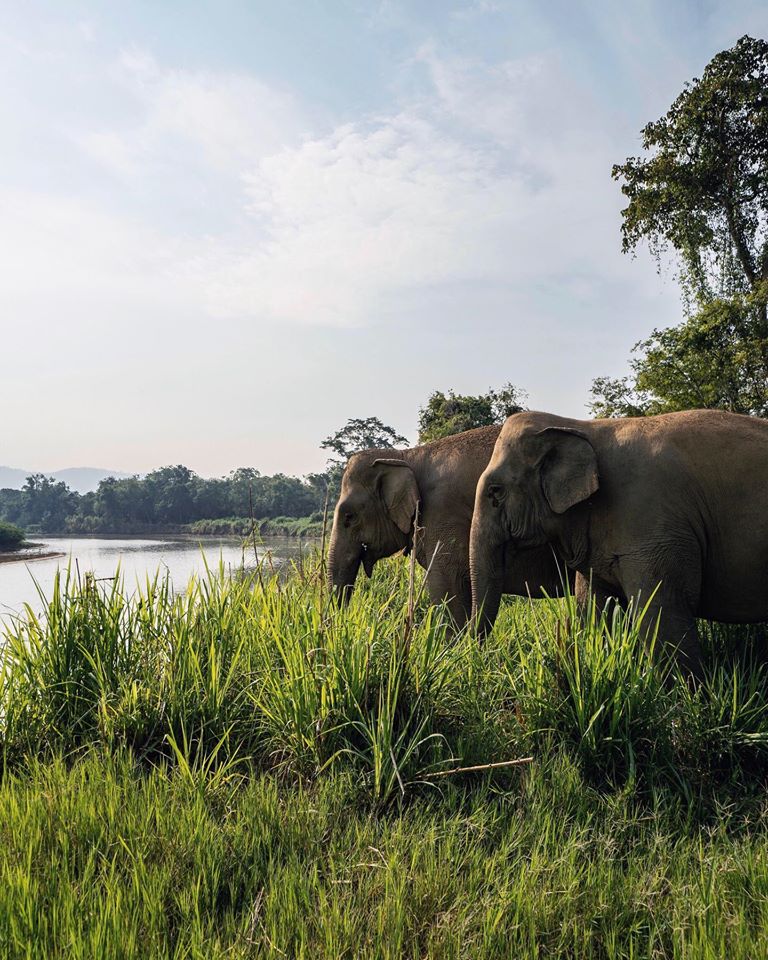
568 470
399 491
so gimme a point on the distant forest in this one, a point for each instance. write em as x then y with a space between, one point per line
175 499
166 499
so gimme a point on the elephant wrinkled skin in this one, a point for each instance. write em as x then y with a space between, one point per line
676 504
374 519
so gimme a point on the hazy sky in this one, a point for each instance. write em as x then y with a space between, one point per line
226 227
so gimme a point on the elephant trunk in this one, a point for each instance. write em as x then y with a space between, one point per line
486 564
343 565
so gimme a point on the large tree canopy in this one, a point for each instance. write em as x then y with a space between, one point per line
711 360
703 187
355 435
358 435
448 413
701 193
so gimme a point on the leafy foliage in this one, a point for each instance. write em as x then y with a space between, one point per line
449 413
169 497
240 769
358 435
43 502
702 192
704 188
713 359
10 536
354 436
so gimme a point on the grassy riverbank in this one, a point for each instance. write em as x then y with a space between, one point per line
310 527
242 771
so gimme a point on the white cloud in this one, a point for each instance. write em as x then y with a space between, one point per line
224 120
160 275
485 177
365 212
467 184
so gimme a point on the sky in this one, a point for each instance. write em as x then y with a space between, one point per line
227 226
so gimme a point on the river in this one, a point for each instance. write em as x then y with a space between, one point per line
136 557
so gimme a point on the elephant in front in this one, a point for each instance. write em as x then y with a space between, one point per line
374 518
672 509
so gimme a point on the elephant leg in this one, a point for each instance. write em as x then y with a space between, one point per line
602 595
446 585
673 610
678 633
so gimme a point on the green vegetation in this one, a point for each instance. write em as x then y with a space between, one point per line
175 499
242 771
165 500
354 436
448 413
11 537
358 435
701 193
310 527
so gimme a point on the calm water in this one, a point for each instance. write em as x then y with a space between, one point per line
135 557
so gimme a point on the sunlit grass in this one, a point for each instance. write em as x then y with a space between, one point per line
242 769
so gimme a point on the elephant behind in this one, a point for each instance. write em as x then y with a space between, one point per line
671 508
375 513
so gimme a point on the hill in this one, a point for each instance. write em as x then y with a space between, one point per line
81 479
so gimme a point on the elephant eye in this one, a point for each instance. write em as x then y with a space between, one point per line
495 493
348 518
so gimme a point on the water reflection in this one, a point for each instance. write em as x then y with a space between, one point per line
136 558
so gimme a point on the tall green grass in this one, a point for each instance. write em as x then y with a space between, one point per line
265 670
104 858
241 769
258 668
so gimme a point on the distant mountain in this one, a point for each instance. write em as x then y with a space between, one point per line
13 479
81 479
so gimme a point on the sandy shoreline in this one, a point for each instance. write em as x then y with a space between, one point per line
21 556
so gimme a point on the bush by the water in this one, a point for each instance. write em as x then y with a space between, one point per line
10 536
310 527
243 770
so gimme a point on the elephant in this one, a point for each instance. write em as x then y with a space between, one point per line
672 509
374 518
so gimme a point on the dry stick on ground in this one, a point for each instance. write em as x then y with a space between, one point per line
478 766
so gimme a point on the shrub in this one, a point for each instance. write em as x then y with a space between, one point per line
10 536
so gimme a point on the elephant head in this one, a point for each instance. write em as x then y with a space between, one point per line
373 518
534 480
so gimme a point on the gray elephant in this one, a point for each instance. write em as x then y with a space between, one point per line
676 503
375 513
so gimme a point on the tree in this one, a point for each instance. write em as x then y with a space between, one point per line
170 496
46 503
241 482
701 193
170 490
445 414
358 435
711 360
704 188
10 536
125 501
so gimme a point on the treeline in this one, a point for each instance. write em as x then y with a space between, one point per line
175 499
167 499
